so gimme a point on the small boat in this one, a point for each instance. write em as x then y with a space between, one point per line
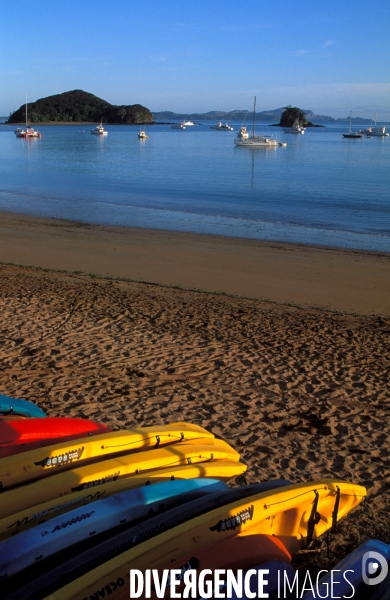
296 128
142 135
352 134
243 134
188 123
255 141
376 132
221 127
99 130
178 126
28 132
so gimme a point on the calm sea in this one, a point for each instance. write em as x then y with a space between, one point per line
320 189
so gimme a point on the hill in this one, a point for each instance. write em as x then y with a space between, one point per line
78 105
239 115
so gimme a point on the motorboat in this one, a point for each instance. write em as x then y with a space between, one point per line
188 123
142 135
255 141
178 126
99 130
296 128
243 133
222 127
28 132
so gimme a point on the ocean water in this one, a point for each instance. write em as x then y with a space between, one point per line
320 189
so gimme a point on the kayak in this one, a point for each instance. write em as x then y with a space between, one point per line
15 406
22 435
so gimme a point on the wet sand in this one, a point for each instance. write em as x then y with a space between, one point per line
340 280
301 392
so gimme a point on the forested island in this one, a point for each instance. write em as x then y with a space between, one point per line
80 106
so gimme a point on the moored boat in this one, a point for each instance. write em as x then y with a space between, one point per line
352 134
296 128
243 134
221 127
376 132
255 141
178 126
28 132
99 130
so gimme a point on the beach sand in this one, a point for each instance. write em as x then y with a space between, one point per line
302 392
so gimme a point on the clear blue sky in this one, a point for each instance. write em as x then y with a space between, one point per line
330 56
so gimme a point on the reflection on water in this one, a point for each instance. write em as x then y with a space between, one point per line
319 189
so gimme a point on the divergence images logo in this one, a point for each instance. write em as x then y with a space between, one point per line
374 568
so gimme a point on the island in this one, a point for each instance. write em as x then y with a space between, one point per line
291 115
79 106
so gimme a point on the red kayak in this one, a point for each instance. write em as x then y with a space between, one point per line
19 435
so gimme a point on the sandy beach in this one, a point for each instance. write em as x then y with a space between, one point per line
283 351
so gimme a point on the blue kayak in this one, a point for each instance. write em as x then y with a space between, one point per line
105 515
45 577
15 406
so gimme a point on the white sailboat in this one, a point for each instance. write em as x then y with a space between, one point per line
28 132
99 130
376 131
296 128
142 135
255 141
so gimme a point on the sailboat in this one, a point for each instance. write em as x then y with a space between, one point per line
377 131
296 128
255 141
352 134
99 130
142 135
28 132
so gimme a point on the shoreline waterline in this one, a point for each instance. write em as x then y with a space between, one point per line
355 281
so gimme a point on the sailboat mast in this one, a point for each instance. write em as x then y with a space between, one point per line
254 115
26 111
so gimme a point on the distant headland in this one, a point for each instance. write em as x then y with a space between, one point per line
240 115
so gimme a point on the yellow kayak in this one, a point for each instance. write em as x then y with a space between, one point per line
29 517
295 514
42 462
93 476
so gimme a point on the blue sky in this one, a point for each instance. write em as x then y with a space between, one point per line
200 55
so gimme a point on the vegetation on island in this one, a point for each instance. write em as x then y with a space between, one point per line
291 114
80 106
